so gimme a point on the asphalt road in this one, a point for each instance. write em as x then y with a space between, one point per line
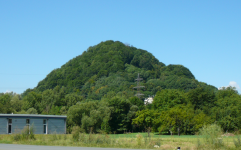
37 147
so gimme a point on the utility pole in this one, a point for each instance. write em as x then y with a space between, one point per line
138 87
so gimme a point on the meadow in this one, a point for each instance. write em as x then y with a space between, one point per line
128 140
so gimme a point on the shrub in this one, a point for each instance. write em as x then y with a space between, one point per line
26 134
82 137
75 133
54 136
157 142
17 137
65 137
212 135
31 133
139 138
237 142
102 139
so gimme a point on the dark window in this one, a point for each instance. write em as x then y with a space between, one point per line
45 129
27 121
45 126
9 125
9 128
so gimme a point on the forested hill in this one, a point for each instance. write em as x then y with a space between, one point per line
95 90
112 66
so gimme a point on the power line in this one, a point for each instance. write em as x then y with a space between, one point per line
138 87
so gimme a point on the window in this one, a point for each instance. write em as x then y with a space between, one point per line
9 126
45 126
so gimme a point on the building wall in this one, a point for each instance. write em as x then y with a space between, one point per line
3 125
56 126
37 125
18 124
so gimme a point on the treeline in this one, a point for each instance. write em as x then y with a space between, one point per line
173 111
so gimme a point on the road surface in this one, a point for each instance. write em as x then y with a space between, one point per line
37 147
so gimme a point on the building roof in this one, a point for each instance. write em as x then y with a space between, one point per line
31 116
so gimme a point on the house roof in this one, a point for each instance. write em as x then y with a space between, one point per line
31 116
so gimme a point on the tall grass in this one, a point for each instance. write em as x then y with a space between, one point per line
133 141
237 142
213 138
75 133
26 134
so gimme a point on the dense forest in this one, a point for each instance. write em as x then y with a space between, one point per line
95 91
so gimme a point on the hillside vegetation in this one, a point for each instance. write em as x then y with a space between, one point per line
95 90
113 66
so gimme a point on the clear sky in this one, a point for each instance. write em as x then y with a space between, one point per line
37 36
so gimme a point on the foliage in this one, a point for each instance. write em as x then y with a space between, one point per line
26 134
32 111
101 60
120 119
173 119
237 142
166 99
201 98
227 110
145 118
212 135
76 133
113 66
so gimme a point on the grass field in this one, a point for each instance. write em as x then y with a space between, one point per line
132 140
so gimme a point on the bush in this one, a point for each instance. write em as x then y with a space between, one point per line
17 137
212 135
237 142
31 133
65 137
139 138
54 136
26 134
75 133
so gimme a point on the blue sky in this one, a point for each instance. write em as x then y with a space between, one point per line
39 36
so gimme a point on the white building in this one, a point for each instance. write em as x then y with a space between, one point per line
148 100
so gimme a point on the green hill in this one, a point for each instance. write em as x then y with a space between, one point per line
95 90
111 67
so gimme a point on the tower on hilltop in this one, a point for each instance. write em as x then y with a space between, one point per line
138 87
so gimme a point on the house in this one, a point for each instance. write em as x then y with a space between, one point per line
148 100
42 124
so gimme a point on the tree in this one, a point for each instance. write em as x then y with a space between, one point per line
173 119
16 103
202 98
136 101
5 106
32 111
92 116
145 118
168 98
32 100
120 107
227 110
